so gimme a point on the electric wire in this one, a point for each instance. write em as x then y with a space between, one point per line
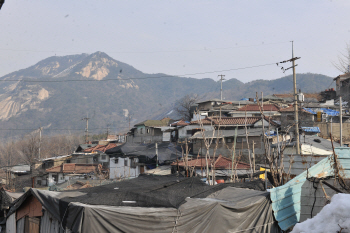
140 78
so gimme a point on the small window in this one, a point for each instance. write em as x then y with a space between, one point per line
103 157
229 140
148 131
220 140
68 161
38 182
126 162
116 160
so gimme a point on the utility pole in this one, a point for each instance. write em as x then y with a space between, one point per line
296 118
295 102
108 130
341 120
87 128
221 78
40 129
129 118
157 154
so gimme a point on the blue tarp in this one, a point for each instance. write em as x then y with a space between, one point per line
311 129
329 112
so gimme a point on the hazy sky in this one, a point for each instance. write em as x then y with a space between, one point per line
179 37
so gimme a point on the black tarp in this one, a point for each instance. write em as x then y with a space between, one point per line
167 151
159 204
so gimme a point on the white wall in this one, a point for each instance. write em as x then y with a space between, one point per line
121 168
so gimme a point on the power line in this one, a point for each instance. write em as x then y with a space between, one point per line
205 49
117 79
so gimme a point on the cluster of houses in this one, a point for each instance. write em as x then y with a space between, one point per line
161 163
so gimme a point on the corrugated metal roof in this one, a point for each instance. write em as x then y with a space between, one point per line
286 199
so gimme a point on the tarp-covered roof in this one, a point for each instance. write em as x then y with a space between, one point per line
166 151
191 206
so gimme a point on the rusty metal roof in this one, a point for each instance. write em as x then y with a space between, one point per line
101 148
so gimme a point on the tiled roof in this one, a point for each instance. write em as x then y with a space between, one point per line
73 168
291 109
256 108
101 148
220 163
227 120
180 123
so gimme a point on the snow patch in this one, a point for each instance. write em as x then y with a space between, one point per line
332 217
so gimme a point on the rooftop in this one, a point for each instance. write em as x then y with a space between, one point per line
257 107
73 168
220 163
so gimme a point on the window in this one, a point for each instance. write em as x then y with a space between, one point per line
148 131
189 132
116 160
133 163
126 162
68 161
103 157
141 131
290 118
38 182
229 140
241 139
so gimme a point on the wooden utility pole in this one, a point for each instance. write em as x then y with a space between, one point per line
221 78
295 102
87 128
341 120
157 154
40 129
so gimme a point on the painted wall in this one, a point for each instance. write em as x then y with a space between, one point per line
122 168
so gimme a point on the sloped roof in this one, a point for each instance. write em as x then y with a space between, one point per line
100 148
73 168
227 133
291 109
256 108
227 121
180 123
220 163
149 123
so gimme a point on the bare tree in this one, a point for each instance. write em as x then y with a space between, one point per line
183 106
343 63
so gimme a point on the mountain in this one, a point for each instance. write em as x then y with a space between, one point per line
57 92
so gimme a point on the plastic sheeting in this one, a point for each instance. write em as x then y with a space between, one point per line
48 224
11 224
20 225
228 210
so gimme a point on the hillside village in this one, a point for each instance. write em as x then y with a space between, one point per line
231 152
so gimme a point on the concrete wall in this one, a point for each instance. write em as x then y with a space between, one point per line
305 120
183 131
326 128
122 168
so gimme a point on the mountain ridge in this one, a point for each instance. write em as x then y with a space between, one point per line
68 88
